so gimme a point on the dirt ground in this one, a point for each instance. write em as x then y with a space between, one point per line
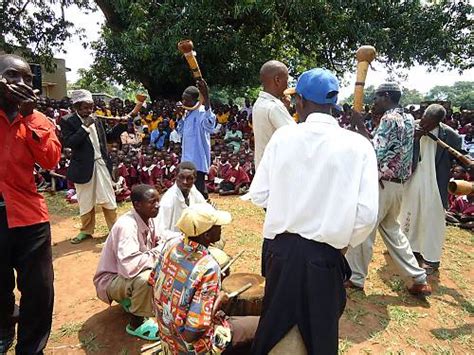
383 320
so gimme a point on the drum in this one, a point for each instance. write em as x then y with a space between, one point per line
222 258
248 303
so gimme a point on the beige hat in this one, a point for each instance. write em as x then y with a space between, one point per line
81 96
200 217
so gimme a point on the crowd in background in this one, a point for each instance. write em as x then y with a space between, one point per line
147 149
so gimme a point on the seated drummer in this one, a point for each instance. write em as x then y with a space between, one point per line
187 291
182 194
129 254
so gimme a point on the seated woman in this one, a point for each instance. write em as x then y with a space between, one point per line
236 181
187 291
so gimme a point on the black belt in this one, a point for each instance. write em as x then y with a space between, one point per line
395 180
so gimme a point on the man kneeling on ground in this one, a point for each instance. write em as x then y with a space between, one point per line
187 291
129 254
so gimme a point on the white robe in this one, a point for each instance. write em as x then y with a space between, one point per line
99 190
422 213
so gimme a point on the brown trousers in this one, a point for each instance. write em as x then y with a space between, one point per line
88 220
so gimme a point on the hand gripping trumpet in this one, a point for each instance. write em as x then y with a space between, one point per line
139 101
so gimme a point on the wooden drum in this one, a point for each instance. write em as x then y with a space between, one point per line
248 303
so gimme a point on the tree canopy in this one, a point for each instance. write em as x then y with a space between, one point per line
35 29
461 94
234 38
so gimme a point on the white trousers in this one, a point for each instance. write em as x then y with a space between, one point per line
398 246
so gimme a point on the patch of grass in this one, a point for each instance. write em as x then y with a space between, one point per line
397 285
437 349
403 317
356 315
414 343
58 205
66 330
344 345
90 343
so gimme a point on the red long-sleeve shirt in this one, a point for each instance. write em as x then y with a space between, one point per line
24 142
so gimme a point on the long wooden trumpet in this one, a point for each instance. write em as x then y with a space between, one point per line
458 155
186 47
460 187
364 55
139 101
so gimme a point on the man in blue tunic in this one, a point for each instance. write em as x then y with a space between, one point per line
195 129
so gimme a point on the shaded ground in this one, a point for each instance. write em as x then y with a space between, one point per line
384 320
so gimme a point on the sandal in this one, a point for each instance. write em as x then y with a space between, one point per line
126 303
148 330
80 238
6 339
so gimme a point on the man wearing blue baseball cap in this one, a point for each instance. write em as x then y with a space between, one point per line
310 223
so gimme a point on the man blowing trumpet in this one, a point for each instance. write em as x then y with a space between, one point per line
90 167
27 137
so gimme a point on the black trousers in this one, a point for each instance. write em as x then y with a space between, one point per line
304 286
201 184
27 250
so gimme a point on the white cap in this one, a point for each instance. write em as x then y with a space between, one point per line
81 96
200 217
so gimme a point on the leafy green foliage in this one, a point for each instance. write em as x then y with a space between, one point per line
89 81
461 94
234 38
36 28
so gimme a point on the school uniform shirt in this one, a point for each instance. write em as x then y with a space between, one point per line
236 176
131 247
268 114
175 137
149 174
24 142
320 181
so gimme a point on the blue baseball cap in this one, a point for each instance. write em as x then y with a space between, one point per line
317 85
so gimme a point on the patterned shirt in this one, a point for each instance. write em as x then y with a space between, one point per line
188 280
393 143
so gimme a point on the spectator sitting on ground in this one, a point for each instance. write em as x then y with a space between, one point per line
179 196
236 181
129 254
187 292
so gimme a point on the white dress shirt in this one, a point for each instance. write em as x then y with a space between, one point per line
172 205
320 181
268 114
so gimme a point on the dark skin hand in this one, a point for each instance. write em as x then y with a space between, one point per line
358 122
204 90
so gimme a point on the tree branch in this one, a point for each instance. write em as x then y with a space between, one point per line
112 17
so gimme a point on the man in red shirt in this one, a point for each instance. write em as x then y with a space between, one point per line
26 137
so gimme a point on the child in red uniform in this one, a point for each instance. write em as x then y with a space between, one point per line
236 180
149 173
168 173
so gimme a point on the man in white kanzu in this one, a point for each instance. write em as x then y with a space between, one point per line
422 214
269 113
308 224
90 167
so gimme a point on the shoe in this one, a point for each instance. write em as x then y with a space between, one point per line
350 284
420 290
429 269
